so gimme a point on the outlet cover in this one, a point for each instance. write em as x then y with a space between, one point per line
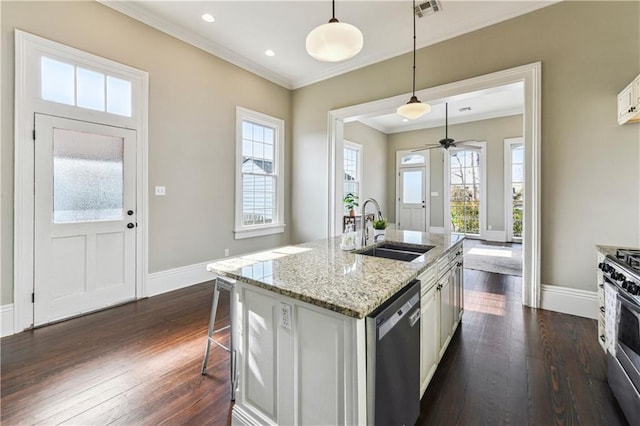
285 316
161 191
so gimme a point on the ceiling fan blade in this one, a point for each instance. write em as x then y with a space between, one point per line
426 148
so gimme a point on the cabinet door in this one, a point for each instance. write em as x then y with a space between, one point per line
625 103
446 312
458 290
429 336
636 93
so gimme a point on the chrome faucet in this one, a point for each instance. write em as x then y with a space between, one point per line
363 240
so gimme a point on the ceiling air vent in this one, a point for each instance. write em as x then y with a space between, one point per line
428 8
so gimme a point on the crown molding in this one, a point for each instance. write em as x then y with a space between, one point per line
134 11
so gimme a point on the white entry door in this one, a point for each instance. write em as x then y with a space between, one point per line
85 217
412 207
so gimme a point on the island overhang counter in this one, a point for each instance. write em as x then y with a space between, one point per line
299 325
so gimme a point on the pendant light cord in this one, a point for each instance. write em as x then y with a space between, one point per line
333 9
414 47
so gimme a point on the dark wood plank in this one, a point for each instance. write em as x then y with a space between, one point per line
140 364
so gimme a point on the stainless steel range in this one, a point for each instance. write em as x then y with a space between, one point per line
621 275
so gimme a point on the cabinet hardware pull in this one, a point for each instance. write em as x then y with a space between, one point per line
602 309
602 337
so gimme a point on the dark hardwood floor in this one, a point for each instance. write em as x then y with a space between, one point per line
140 364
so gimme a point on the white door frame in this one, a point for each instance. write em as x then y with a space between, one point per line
426 183
531 76
508 205
483 186
28 49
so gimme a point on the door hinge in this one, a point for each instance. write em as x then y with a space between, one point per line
34 134
33 298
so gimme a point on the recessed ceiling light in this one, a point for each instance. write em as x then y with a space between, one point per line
207 17
405 119
269 52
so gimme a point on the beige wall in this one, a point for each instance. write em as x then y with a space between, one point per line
193 96
374 162
493 132
590 165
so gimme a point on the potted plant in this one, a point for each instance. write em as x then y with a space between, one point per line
379 226
350 202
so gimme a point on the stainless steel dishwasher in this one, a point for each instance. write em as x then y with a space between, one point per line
393 360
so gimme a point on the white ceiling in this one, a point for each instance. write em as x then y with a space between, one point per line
485 104
244 30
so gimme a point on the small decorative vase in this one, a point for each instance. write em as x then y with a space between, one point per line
352 213
377 232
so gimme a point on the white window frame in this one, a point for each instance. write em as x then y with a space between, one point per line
482 145
357 147
242 231
28 101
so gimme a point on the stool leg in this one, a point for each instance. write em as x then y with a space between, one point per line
214 308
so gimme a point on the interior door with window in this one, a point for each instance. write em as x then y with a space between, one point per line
85 217
412 206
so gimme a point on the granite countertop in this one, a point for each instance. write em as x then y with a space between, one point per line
322 274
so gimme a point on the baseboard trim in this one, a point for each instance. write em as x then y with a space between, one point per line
6 320
177 278
569 301
498 236
436 229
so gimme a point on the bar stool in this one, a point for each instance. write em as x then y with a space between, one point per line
228 285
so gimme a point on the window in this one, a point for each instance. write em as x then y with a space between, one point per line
68 84
352 169
259 174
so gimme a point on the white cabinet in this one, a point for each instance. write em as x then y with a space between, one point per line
429 335
458 290
629 103
441 310
446 310
309 372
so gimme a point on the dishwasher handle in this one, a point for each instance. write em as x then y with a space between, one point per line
413 319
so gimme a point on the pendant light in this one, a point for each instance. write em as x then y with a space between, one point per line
334 41
414 108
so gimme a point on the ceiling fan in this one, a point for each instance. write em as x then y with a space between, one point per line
447 142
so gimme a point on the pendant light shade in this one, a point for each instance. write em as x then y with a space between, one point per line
334 41
414 108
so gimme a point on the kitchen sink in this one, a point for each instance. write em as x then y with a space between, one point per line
396 251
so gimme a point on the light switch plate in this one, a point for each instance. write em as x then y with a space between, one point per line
161 191
434 194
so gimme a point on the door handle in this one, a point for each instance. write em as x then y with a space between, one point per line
413 319
130 212
130 225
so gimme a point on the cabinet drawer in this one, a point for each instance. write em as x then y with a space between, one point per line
428 279
443 265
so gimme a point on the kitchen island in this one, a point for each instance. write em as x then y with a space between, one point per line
299 327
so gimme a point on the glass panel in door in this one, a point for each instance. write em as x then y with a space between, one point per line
517 186
88 181
465 191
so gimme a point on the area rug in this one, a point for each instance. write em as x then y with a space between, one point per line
500 258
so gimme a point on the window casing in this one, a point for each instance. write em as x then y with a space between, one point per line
259 174
352 164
